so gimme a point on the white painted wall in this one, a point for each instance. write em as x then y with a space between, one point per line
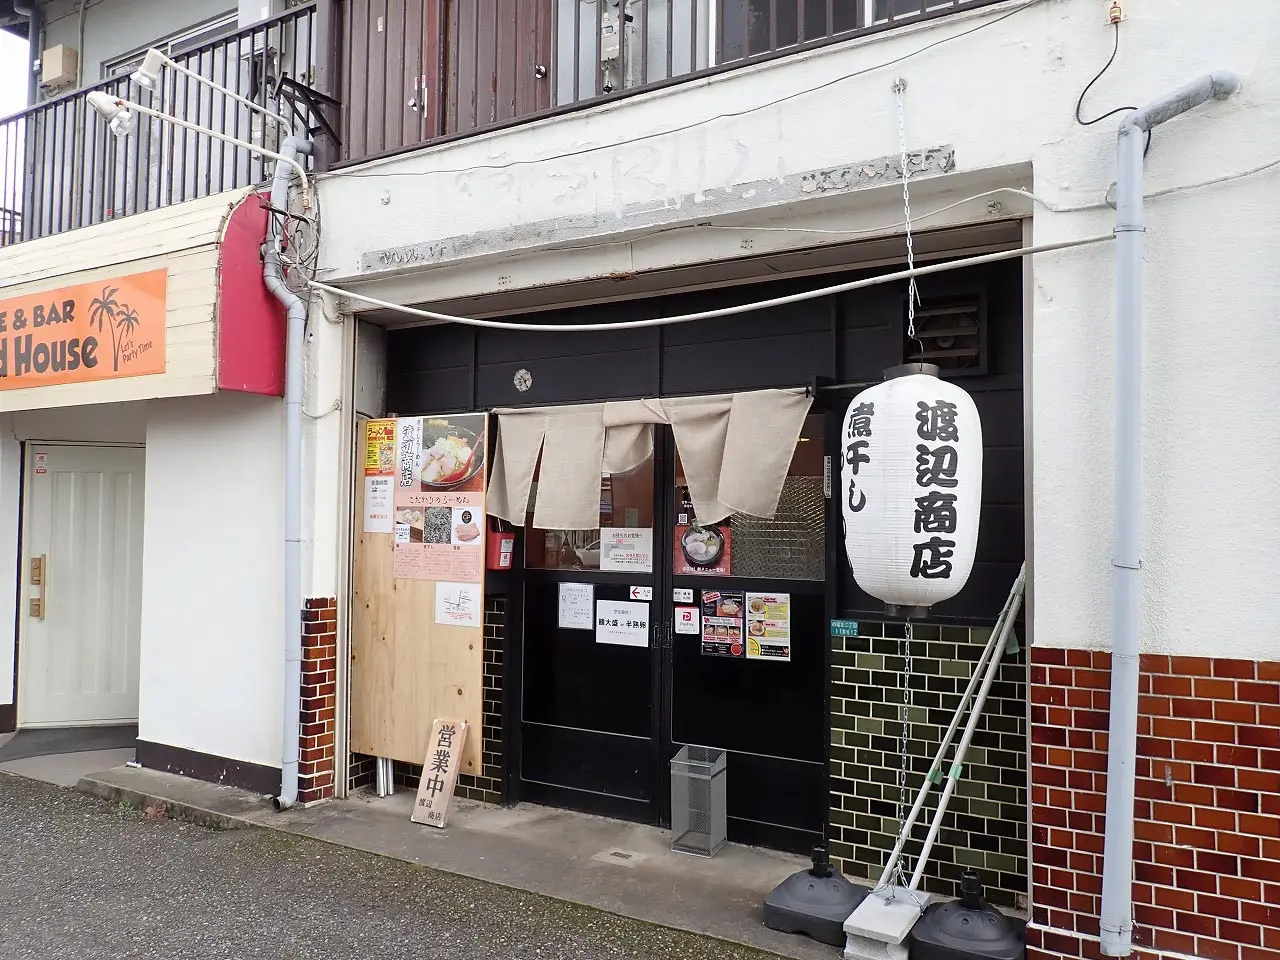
212 634
116 27
1004 97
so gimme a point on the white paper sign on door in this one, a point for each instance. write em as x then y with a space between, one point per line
575 606
626 548
622 622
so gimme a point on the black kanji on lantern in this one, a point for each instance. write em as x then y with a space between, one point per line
933 559
937 467
937 421
854 457
860 420
936 513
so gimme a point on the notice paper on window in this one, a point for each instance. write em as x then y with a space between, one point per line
576 612
769 626
622 622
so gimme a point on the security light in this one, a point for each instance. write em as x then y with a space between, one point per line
147 75
118 116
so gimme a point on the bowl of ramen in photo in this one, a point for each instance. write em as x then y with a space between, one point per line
702 546
451 455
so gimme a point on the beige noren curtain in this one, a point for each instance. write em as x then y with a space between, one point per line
736 450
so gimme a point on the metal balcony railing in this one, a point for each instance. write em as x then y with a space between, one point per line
422 70
407 73
61 168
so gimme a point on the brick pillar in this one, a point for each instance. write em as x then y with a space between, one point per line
319 695
1207 813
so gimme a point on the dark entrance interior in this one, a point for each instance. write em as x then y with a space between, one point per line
593 726
600 721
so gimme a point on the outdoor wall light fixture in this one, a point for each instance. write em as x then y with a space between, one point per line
121 117
147 76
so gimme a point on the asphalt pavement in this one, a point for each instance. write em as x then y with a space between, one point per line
81 878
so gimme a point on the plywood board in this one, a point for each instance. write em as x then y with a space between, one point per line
406 669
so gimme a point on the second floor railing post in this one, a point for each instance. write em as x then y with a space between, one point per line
327 31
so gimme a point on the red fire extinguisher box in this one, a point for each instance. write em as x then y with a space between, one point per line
502 545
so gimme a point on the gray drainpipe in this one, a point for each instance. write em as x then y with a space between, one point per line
296 313
1122 746
31 10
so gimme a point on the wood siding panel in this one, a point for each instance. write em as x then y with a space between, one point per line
182 239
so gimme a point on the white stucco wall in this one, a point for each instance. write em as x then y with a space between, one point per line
212 614
1003 96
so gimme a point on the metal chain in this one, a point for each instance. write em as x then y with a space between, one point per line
904 718
900 89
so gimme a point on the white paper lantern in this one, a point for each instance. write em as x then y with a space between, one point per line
911 479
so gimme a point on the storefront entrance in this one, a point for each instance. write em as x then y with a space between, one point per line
81 612
713 636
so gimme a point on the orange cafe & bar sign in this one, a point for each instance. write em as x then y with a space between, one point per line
93 331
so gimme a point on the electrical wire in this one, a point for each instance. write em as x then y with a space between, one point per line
1115 50
722 311
729 115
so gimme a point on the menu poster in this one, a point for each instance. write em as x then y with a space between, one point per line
769 626
439 498
626 548
702 551
379 475
722 624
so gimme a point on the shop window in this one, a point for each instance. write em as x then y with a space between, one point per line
624 539
790 546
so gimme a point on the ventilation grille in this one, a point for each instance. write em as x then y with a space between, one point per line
951 332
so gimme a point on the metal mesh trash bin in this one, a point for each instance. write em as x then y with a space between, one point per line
698 800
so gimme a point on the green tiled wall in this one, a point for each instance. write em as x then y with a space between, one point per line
985 826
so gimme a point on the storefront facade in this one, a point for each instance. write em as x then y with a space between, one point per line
745 185
141 478
585 717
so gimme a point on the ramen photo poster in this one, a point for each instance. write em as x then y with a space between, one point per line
439 498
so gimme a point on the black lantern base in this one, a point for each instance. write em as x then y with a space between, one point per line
906 613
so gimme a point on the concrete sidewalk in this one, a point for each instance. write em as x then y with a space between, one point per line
622 868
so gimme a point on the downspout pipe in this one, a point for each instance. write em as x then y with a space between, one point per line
296 332
31 10
1117 871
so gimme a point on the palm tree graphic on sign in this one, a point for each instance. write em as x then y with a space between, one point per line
119 317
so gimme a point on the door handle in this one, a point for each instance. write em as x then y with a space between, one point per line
39 576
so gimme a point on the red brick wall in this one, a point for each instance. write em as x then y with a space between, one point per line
1207 827
319 695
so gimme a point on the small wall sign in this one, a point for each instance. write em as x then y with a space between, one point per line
844 628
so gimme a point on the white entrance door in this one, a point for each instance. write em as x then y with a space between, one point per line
78 648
